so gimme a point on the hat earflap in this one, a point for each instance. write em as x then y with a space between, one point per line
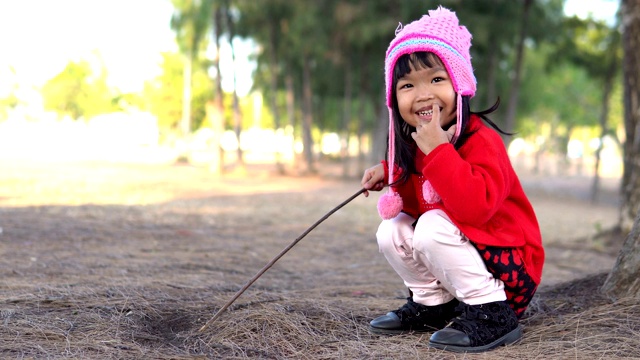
390 204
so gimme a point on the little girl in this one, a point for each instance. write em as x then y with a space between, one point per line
457 226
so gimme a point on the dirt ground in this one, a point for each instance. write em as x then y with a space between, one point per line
108 260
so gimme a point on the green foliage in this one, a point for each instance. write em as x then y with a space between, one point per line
79 92
163 95
615 119
590 44
190 22
565 59
7 103
8 100
565 63
354 34
565 90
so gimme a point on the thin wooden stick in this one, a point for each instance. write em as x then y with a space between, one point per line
273 261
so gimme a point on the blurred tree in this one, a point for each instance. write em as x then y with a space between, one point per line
630 10
231 15
494 26
514 90
164 99
541 13
501 38
264 23
560 115
190 22
294 36
8 103
342 56
309 44
594 46
215 109
11 100
361 33
623 278
324 53
351 30
79 92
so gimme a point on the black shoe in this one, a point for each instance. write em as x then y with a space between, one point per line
479 328
415 317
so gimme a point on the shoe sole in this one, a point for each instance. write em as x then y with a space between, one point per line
508 339
381 331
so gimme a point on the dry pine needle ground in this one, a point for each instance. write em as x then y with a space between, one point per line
130 267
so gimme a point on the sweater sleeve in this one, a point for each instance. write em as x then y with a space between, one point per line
474 181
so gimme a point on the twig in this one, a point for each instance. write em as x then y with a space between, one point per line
273 261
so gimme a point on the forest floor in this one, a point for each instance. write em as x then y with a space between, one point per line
107 260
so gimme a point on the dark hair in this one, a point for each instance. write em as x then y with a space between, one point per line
404 143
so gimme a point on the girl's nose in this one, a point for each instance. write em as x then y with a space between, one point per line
424 93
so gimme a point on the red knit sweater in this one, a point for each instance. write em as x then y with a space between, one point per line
480 192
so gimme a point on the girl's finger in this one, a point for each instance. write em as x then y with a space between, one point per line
451 131
435 116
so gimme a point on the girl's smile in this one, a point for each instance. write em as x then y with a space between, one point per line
423 88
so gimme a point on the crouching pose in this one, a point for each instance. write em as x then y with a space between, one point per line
457 226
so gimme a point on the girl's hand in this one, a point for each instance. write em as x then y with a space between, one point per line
373 179
429 134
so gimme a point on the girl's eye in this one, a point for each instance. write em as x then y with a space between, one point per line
405 85
437 79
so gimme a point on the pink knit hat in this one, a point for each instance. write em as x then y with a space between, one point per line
439 33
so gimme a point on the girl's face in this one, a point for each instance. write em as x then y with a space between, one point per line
422 88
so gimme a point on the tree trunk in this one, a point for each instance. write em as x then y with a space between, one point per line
217 108
237 115
307 116
630 10
346 118
214 115
512 107
185 122
606 94
365 88
362 106
623 280
492 62
273 66
291 112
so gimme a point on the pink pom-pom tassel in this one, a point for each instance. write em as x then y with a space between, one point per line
389 205
429 193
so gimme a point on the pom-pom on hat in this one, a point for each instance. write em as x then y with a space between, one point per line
440 33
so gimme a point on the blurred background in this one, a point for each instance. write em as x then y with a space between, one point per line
295 86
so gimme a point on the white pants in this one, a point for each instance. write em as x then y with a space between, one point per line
436 261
